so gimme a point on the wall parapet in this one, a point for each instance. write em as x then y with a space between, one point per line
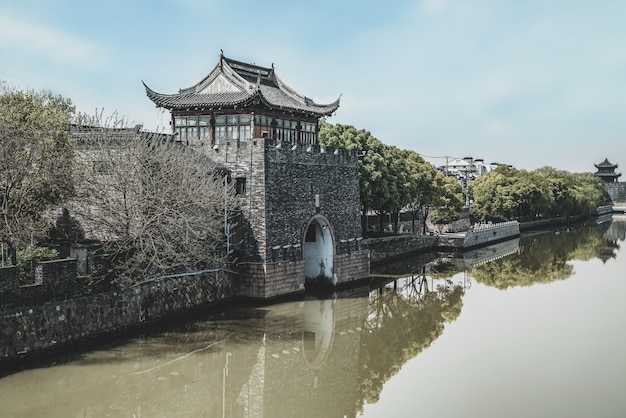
54 280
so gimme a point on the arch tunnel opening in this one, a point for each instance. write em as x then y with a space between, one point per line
318 252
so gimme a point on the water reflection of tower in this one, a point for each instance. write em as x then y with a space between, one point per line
317 335
617 229
615 232
307 364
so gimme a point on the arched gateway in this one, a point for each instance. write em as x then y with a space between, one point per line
318 251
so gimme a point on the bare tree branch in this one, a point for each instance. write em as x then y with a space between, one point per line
158 205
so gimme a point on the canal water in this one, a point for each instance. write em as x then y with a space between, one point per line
532 327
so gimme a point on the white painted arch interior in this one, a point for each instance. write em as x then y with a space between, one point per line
319 249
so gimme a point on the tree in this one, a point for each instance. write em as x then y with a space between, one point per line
494 194
507 193
374 171
158 206
421 187
573 193
36 157
392 179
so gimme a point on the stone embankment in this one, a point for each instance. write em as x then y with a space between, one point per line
60 322
389 248
60 318
483 234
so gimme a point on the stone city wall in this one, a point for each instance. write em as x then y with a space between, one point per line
53 324
352 267
617 192
9 279
388 248
247 162
54 280
293 179
269 280
282 183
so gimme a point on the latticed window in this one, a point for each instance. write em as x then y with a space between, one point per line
244 130
308 134
196 129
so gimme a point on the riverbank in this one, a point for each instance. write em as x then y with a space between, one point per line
48 326
67 321
388 249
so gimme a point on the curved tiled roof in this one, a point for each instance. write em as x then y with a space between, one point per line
237 84
606 164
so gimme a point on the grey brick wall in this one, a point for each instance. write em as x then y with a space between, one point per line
617 192
9 279
281 185
295 177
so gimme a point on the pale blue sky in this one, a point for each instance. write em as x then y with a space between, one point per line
528 83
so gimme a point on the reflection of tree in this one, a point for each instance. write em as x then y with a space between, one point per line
443 269
400 325
544 258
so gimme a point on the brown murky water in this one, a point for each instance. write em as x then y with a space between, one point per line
530 327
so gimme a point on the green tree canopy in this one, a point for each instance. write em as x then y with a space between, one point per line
35 167
508 193
392 179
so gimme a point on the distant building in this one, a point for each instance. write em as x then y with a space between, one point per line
299 202
606 171
470 168
465 170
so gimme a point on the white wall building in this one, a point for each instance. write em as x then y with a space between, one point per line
462 168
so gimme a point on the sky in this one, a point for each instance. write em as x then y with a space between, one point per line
527 83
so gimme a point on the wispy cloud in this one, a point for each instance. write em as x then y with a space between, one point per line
434 6
24 37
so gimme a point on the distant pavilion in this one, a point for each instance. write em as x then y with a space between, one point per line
606 171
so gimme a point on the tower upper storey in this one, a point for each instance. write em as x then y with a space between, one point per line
237 101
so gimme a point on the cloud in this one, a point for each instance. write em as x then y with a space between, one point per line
24 37
496 128
433 7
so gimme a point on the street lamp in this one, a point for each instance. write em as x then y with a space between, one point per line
468 169
226 229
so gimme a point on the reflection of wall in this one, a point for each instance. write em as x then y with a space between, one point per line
318 330
490 253
312 373
617 229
